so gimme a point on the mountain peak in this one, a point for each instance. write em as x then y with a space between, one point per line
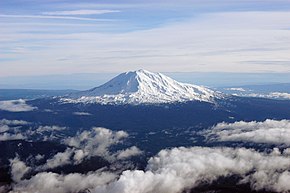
138 72
141 71
142 86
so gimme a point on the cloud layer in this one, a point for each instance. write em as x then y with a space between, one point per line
173 171
269 131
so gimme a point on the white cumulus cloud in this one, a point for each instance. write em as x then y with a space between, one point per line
176 170
18 169
268 131
49 182
132 151
59 159
173 171
4 128
42 129
94 142
9 136
9 129
16 106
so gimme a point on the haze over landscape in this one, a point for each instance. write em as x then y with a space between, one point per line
136 96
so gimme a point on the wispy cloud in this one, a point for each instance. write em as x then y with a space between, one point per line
220 41
82 113
53 17
13 122
81 12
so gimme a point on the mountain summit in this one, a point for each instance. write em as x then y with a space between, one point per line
142 86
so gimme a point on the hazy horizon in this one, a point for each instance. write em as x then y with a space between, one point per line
83 81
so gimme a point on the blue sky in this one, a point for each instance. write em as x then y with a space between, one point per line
65 37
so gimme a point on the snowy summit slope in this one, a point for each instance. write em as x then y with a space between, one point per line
142 86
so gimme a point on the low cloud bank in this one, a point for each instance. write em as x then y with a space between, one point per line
9 136
173 171
271 95
13 129
82 113
13 122
179 169
236 89
278 95
49 182
269 131
16 106
42 129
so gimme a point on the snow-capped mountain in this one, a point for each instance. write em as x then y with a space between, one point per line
142 86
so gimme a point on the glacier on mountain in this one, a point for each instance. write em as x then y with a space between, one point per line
143 87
